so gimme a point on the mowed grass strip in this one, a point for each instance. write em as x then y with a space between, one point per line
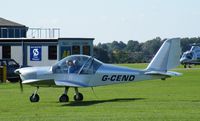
175 99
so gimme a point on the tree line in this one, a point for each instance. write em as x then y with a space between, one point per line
134 51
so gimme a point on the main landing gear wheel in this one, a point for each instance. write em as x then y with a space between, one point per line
64 98
34 98
78 97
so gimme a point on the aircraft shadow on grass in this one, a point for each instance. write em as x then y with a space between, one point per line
93 102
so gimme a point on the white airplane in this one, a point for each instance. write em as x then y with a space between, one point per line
85 71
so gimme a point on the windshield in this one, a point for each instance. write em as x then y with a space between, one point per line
12 63
187 55
80 64
9 63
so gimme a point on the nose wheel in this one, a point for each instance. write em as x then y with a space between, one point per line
35 97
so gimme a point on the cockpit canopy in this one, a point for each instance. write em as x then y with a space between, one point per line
187 55
79 64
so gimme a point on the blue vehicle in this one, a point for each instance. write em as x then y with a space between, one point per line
11 65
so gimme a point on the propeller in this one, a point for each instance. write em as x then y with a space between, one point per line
20 84
20 80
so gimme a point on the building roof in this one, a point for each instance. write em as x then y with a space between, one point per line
41 39
28 40
7 23
71 38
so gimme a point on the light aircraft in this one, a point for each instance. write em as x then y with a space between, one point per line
192 56
77 71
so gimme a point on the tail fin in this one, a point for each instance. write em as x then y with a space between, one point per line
167 56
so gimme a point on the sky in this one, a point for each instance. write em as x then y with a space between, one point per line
108 20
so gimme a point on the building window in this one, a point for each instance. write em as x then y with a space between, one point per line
76 49
6 52
17 33
23 33
86 50
11 33
5 33
52 52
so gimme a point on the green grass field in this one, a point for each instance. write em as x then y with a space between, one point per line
175 99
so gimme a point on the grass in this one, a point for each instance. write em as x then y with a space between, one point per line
144 65
175 99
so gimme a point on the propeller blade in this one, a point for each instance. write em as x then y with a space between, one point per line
21 85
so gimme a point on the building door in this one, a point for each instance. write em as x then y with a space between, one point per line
6 52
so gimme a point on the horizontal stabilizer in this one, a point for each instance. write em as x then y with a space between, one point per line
168 74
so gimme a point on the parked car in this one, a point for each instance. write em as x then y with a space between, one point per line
11 65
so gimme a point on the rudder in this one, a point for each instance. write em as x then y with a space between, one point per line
167 56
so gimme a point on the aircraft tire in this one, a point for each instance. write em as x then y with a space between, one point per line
78 97
64 98
35 98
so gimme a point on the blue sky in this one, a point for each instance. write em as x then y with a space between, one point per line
108 20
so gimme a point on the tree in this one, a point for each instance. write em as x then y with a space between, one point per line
120 56
103 46
101 54
115 46
149 48
133 51
133 46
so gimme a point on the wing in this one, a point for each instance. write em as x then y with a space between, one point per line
48 82
42 82
70 83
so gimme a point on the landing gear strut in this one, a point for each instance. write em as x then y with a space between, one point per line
64 97
185 66
35 97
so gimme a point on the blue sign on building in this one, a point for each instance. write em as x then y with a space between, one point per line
35 53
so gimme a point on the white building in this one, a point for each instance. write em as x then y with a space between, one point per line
43 52
38 51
